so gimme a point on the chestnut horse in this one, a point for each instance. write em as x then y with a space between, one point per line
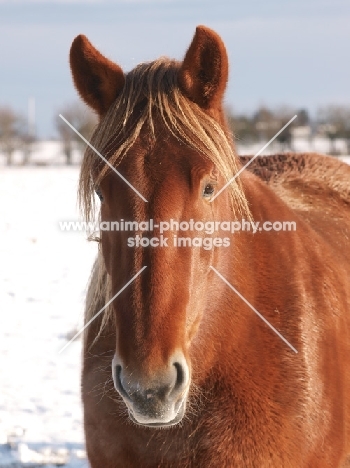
198 379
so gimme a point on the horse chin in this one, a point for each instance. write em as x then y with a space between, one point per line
161 425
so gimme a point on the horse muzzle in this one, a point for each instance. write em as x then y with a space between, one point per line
157 401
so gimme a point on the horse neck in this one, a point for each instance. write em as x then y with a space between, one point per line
248 265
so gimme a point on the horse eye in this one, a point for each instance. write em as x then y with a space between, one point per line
208 190
99 194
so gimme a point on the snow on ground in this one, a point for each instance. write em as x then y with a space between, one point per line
345 159
43 276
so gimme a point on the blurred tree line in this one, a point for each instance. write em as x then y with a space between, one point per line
12 132
15 134
265 122
332 122
82 119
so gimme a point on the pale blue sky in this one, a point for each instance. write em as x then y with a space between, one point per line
281 52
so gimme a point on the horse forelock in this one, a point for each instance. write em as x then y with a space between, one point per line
151 95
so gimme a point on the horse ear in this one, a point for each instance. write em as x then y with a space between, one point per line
97 79
203 74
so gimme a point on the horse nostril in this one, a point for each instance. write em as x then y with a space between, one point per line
147 391
118 382
180 377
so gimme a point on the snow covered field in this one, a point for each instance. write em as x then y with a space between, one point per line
345 159
43 277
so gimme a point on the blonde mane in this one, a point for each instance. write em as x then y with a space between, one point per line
152 90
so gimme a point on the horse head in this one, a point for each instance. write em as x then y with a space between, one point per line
162 126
